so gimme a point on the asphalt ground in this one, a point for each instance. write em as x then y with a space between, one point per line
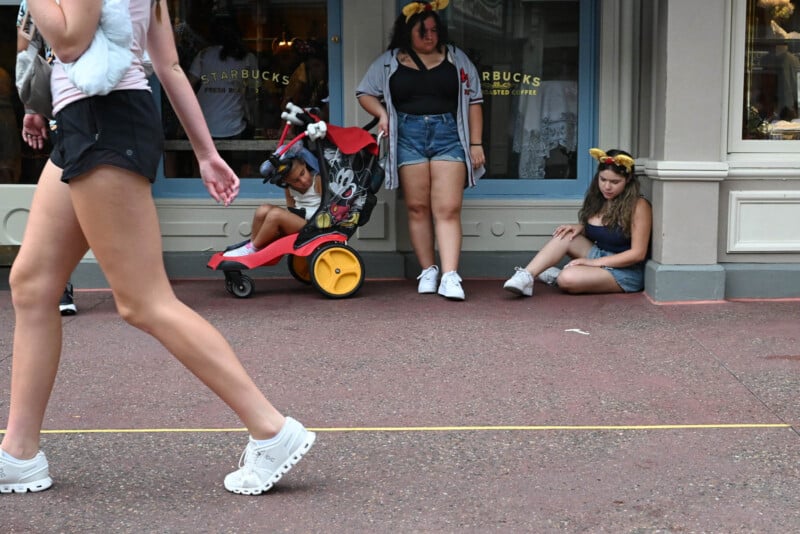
554 413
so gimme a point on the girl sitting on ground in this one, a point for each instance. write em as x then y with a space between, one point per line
303 188
609 246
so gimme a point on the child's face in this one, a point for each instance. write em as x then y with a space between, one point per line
299 178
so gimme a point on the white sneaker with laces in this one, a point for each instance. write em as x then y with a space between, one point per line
521 283
261 467
550 276
427 280
21 476
450 286
244 250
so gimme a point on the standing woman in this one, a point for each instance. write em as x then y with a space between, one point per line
95 191
432 114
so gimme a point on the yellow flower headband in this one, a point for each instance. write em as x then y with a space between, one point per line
620 160
415 8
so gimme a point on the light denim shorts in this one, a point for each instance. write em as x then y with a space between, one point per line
423 138
630 279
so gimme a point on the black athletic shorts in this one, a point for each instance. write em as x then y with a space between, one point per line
122 128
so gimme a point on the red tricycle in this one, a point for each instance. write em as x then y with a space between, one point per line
351 169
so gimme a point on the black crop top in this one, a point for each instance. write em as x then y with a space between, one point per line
609 239
429 92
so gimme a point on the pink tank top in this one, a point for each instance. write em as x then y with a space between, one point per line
64 92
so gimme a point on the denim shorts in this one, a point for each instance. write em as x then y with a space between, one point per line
122 129
423 138
630 279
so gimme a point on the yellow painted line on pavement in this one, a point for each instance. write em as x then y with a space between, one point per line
432 428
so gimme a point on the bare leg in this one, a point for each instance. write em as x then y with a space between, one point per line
51 248
276 222
554 250
258 219
115 208
583 279
447 193
578 278
416 183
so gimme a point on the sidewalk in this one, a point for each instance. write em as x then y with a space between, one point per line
550 414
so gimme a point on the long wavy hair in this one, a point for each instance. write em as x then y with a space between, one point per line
401 32
618 212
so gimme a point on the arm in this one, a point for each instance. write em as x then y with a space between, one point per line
289 198
640 241
68 27
476 135
34 126
374 107
220 181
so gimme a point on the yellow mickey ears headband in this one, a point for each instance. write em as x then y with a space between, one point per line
620 160
415 8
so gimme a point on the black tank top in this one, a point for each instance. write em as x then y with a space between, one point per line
429 92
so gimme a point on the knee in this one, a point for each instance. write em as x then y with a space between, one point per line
273 214
568 281
139 312
131 313
263 209
31 287
447 213
417 210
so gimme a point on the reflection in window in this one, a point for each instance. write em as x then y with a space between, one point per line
527 54
246 60
772 70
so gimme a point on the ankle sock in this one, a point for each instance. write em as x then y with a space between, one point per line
10 458
268 442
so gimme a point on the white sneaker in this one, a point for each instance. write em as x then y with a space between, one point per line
427 280
244 250
20 476
261 467
450 286
521 283
550 276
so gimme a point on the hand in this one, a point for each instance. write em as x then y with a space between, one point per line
220 180
34 130
568 231
477 156
581 261
383 125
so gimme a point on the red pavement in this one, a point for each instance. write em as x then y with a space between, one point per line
550 414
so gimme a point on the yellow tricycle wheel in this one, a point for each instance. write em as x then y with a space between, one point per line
337 270
298 268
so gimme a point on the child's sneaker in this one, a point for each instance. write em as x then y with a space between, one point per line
550 276
427 280
261 467
521 283
20 476
244 250
450 286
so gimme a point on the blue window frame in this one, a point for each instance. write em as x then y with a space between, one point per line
495 33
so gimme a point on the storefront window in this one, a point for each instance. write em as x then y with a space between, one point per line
527 54
772 71
246 60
